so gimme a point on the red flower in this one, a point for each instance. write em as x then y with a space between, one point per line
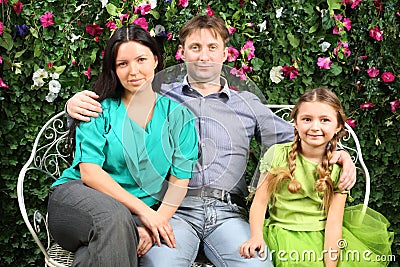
142 23
3 84
394 105
351 122
94 29
209 11
387 77
378 5
367 105
375 33
17 7
372 72
290 71
87 73
50 65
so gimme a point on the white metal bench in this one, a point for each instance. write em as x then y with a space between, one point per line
49 158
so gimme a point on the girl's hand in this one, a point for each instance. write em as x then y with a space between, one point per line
248 249
158 225
146 241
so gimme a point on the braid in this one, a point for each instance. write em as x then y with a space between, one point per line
294 185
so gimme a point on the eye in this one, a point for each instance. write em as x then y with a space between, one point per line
195 48
142 59
213 47
326 120
121 64
306 119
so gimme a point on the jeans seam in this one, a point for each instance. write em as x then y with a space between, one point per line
215 252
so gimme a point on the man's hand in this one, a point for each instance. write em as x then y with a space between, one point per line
348 178
83 105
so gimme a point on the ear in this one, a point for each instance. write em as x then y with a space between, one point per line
181 52
155 62
225 53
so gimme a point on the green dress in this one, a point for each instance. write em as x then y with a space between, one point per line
294 232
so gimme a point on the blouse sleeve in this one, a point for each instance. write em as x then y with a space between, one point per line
267 161
184 136
90 141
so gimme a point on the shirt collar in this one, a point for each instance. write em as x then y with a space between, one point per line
225 92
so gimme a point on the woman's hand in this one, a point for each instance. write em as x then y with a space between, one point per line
83 105
146 241
248 249
158 225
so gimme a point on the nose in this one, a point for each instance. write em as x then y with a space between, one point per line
133 69
204 56
315 125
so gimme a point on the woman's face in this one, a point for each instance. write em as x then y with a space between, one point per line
134 65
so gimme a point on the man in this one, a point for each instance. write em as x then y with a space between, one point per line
210 217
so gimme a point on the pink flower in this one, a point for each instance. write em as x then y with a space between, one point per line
73 62
338 17
324 63
1 60
111 25
142 23
363 57
378 5
246 68
387 77
3 1
238 73
367 105
142 9
231 30
372 72
17 7
394 105
375 33
209 11
353 3
87 73
290 71
1 27
50 65
178 54
3 84
123 17
248 50
47 19
169 36
183 3
347 24
351 122
337 30
232 54
94 29
342 49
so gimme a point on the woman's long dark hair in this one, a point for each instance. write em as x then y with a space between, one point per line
108 85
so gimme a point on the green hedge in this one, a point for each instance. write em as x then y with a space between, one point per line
290 35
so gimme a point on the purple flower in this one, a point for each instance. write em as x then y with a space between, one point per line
21 30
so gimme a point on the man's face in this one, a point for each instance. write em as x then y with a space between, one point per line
204 56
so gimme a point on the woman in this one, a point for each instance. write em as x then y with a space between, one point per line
121 160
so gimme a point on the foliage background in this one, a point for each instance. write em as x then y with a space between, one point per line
290 36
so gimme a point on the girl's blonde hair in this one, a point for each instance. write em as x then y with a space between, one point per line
324 182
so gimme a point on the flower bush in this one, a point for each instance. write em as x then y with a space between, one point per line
51 49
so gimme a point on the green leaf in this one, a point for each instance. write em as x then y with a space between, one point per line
313 28
333 4
93 55
257 63
111 9
60 69
34 32
155 14
7 41
293 40
37 51
19 53
335 69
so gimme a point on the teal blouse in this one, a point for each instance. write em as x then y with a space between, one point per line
301 211
138 159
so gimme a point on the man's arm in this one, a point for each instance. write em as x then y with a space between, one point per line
348 177
83 105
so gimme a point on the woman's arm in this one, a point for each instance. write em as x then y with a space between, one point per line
333 230
257 215
95 177
177 189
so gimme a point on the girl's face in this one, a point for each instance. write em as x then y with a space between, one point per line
316 123
134 65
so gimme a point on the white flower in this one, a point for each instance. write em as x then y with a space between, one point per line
263 26
103 3
275 74
324 46
158 29
54 76
279 12
152 33
74 37
153 3
37 83
54 86
51 96
40 74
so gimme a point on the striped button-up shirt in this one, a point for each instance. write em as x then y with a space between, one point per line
226 123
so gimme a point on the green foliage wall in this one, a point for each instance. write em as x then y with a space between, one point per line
46 58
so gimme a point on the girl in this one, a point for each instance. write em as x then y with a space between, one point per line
306 208
105 206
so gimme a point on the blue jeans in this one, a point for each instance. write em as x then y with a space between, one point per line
216 227
99 229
